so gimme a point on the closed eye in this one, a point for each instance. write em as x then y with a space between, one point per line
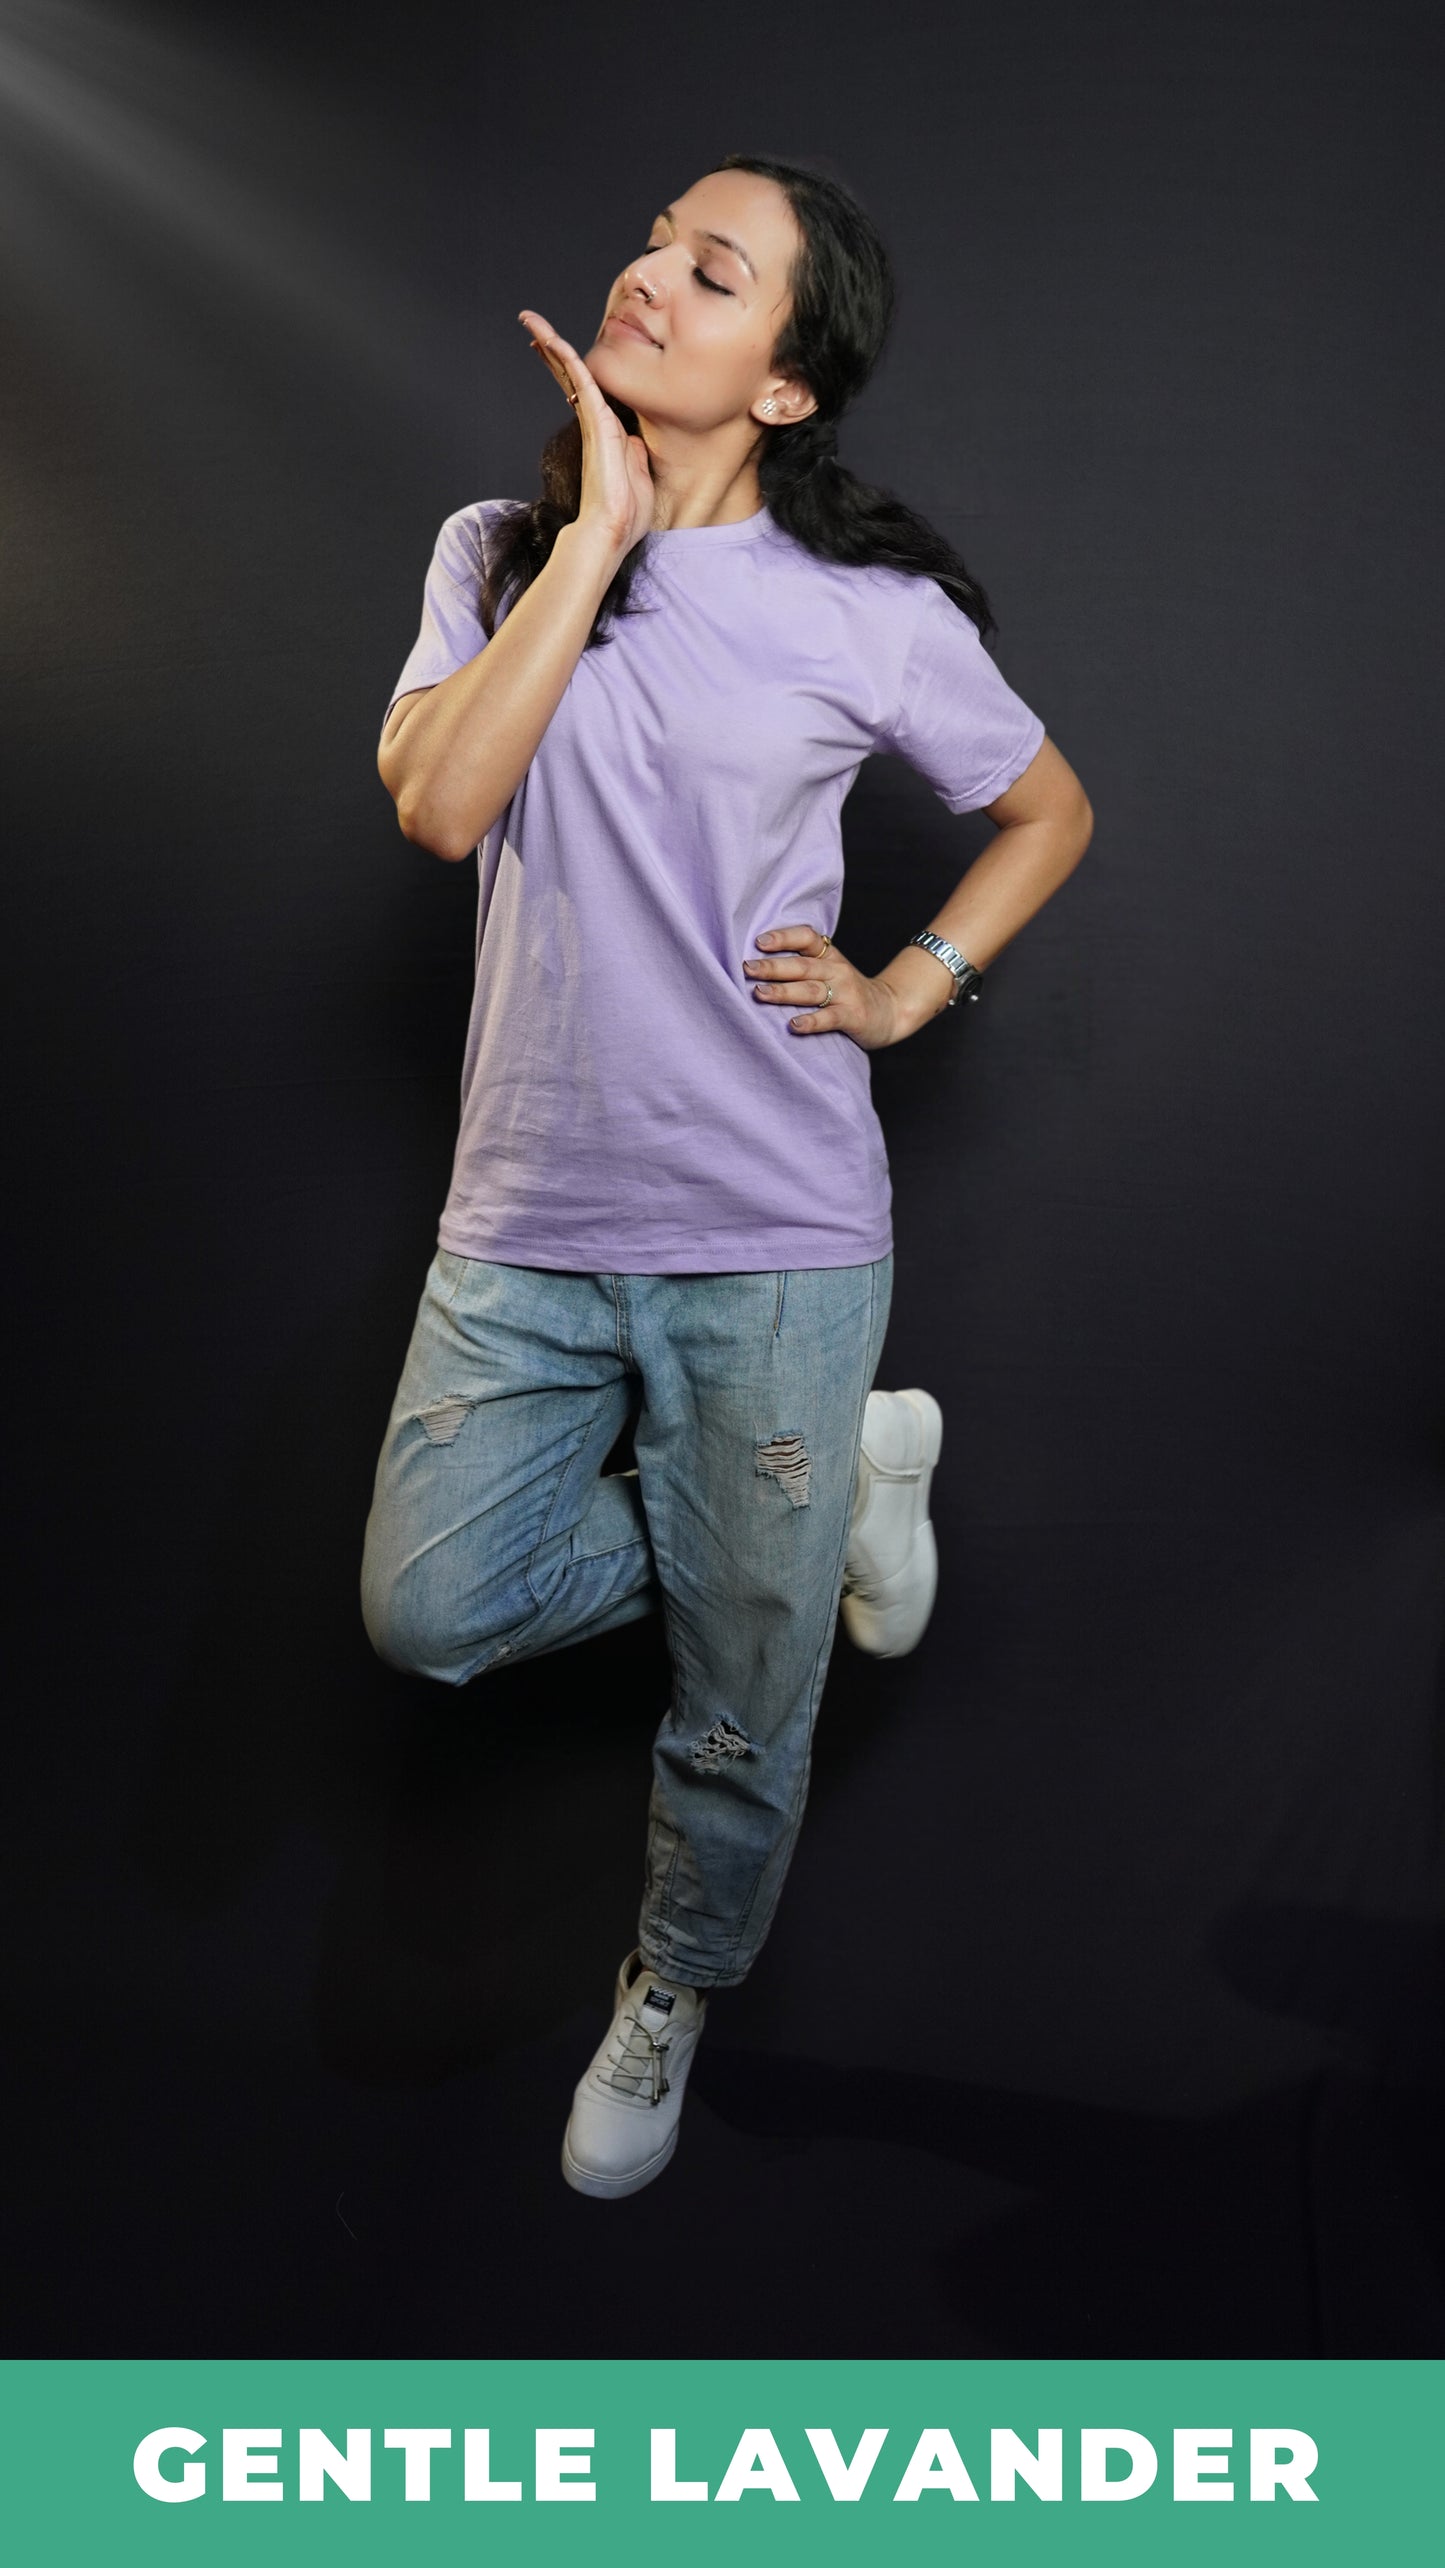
700 274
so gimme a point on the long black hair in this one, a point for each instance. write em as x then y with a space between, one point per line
842 305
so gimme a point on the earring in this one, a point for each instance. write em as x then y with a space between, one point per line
770 407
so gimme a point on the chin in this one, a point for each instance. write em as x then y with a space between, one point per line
603 354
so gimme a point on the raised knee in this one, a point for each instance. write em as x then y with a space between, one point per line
408 1623
404 1642
417 1626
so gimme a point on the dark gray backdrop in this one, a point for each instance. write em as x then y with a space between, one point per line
1103 2010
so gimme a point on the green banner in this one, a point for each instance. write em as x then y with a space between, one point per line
594 2462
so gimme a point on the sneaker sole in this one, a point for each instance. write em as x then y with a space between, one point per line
927 1408
861 1622
609 2188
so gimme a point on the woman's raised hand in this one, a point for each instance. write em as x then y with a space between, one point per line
617 490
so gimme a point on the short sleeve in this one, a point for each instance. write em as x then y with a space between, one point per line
957 719
451 629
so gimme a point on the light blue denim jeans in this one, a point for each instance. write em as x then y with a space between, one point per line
494 1534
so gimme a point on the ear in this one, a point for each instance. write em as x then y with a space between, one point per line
792 400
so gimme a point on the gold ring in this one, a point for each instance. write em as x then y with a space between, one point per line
828 996
822 950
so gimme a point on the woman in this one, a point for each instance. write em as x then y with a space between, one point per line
643 699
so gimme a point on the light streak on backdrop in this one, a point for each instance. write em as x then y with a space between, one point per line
124 138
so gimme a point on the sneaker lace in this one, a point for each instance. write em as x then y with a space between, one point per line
634 2060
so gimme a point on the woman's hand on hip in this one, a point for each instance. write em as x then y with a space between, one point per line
618 497
802 968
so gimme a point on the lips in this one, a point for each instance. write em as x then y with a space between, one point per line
625 321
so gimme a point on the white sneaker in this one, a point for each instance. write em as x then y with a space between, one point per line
628 2101
891 1576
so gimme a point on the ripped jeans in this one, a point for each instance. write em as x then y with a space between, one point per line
494 1534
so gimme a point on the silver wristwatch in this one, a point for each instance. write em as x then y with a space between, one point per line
966 976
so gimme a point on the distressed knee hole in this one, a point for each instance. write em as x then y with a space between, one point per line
724 1740
786 1459
442 1420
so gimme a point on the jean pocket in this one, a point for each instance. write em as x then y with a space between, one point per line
450 1271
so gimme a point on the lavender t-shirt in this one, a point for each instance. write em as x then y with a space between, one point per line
628 1106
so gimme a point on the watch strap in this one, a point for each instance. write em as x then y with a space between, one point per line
966 975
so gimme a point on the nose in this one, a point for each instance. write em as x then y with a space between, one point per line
643 277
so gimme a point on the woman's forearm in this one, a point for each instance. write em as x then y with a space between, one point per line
1005 886
461 750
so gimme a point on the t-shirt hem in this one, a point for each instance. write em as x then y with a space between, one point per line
412 687
711 1256
1004 776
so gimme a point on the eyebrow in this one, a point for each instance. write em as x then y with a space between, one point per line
720 238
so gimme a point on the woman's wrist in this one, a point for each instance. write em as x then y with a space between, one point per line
921 986
588 549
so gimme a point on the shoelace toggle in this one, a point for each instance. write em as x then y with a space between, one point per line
638 2060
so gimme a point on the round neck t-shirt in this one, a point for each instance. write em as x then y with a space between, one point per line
627 1105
